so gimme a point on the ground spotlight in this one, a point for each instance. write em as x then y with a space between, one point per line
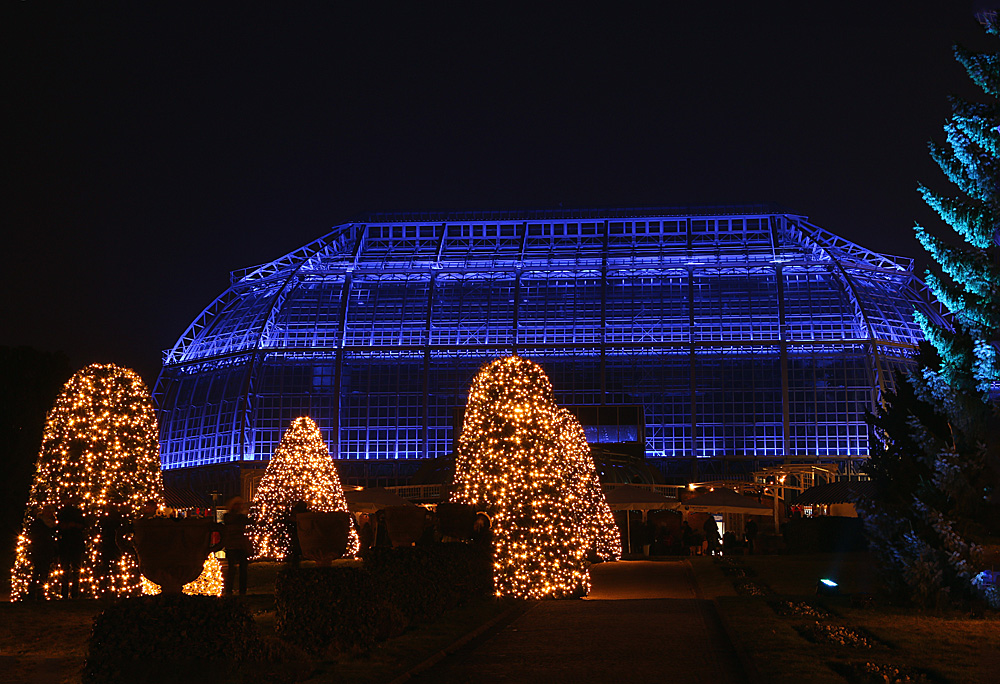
827 587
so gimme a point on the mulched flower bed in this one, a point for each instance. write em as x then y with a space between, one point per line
823 633
746 587
883 673
799 609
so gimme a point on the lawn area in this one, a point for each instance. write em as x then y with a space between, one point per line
816 637
46 643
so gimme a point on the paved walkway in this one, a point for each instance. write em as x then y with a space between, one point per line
641 623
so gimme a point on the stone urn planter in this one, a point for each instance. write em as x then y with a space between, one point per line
172 551
456 520
323 536
405 524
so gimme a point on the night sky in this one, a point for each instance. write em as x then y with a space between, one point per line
150 151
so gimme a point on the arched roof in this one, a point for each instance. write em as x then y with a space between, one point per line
880 291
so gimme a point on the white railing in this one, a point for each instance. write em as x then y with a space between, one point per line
418 492
669 491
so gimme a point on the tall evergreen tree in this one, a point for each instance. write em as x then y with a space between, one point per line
936 466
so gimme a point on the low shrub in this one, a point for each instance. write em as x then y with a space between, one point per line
421 582
171 638
317 608
352 608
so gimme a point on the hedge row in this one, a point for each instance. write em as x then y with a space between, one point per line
351 608
171 638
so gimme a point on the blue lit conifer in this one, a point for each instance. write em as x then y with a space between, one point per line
936 513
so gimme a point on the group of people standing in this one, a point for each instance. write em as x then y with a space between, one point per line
56 537
709 542
59 536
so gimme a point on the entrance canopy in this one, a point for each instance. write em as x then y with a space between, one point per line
373 499
724 500
629 498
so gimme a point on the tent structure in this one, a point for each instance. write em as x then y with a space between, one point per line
837 497
843 492
629 498
373 499
723 500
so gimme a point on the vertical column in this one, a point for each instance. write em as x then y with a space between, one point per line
786 422
693 377
517 304
338 371
604 315
425 438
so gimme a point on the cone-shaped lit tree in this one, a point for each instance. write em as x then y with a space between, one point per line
602 532
300 470
511 462
100 453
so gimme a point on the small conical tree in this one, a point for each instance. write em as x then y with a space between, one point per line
937 468
300 470
511 463
602 531
99 452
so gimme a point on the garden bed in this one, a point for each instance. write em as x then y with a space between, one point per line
795 635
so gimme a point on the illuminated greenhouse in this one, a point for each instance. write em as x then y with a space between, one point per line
705 340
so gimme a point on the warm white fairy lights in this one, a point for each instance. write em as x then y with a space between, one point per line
602 531
300 470
100 453
519 459
209 583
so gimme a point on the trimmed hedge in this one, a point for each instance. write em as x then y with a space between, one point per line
321 607
171 638
350 608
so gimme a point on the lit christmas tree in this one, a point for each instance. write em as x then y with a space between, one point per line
300 470
937 471
100 453
512 463
602 531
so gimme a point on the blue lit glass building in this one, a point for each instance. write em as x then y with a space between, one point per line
735 336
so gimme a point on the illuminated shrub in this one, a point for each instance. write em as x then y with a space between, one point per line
601 529
99 452
522 460
300 470
209 583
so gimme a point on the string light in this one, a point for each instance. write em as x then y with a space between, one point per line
521 459
209 582
300 470
100 453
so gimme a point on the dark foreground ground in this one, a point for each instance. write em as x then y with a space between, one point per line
642 622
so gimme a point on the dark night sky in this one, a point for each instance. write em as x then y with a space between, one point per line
148 152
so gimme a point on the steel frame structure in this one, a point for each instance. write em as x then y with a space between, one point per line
745 332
